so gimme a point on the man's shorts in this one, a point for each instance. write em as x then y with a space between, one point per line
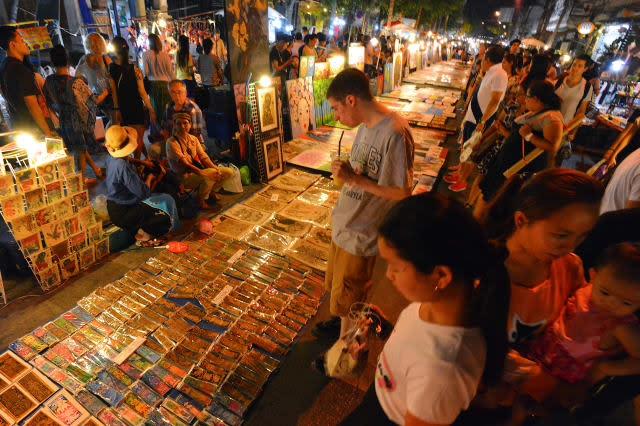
348 278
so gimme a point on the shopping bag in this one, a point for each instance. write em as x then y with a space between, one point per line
467 148
234 184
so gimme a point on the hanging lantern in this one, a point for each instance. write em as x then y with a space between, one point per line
586 27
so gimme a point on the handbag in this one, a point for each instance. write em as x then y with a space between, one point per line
467 148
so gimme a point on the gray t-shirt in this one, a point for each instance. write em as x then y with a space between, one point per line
385 154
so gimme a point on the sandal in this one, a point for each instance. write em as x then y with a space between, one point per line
154 242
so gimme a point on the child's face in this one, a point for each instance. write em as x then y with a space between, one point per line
613 295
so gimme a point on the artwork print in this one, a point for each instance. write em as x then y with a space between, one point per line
16 403
12 206
49 277
66 409
78 241
321 70
273 156
247 24
73 183
63 208
39 387
247 214
80 199
66 166
87 257
34 199
54 191
397 69
69 266
47 173
41 418
356 57
41 260
388 78
31 244
86 217
102 248
44 215
267 108
6 185
301 106
240 94
54 233
12 367
307 66
26 179
60 251
23 226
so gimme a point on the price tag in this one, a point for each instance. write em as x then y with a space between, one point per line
223 293
235 256
274 198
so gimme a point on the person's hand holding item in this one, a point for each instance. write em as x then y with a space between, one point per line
343 171
525 131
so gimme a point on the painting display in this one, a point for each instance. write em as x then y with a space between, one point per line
387 78
397 70
247 25
322 109
273 156
301 106
307 66
267 108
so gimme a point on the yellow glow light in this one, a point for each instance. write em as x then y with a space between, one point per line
265 81
162 23
110 48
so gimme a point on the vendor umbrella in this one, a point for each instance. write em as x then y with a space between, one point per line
399 26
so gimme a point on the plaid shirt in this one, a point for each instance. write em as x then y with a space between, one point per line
198 126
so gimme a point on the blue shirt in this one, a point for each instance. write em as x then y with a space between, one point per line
124 186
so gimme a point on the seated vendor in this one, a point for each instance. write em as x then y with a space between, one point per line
130 204
181 104
192 165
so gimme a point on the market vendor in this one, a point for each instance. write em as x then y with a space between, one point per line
192 165
130 204
180 103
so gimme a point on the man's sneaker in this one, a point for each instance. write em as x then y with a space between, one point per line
454 167
452 178
458 187
330 328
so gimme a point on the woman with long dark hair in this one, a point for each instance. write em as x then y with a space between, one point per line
159 71
451 337
538 70
129 95
184 65
541 127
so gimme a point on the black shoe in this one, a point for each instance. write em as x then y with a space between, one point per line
328 329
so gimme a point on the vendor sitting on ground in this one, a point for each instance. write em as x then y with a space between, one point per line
192 165
180 103
130 204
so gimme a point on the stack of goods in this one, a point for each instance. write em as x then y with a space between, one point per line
313 149
185 336
443 74
49 214
429 158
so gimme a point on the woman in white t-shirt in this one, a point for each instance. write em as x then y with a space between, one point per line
452 334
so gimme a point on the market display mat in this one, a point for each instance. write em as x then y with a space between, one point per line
450 74
186 337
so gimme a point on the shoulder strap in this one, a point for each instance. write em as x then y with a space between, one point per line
587 87
559 83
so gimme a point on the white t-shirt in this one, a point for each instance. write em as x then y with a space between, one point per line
571 98
624 185
430 370
495 80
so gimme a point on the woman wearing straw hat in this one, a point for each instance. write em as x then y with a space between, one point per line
191 164
130 204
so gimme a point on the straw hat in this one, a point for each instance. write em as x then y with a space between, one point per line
121 141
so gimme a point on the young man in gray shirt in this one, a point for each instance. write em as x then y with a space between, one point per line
378 174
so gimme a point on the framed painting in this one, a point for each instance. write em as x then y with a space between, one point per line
397 70
321 70
66 409
355 57
301 108
267 108
388 78
248 28
273 156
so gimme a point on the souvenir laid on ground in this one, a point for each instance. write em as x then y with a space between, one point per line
69 266
302 176
66 409
320 237
296 146
319 197
289 182
272 156
41 260
309 254
247 214
37 386
6 185
49 277
306 212
47 172
231 227
325 184
287 226
16 403
42 417
267 108
267 240
300 95
87 257
278 194
265 204
34 199
23 226
12 367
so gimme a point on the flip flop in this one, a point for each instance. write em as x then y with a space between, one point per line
154 242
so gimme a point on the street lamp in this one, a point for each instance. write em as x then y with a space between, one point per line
497 13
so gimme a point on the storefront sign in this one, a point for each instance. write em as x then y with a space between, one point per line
37 38
586 27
